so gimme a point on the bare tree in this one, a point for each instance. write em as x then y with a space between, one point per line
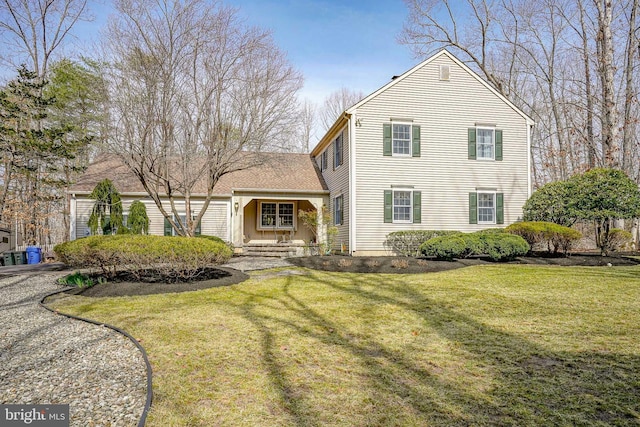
307 124
195 95
529 51
336 103
629 130
436 24
31 30
606 68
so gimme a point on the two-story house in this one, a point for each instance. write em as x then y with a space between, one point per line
435 148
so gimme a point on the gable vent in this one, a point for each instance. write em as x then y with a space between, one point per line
444 72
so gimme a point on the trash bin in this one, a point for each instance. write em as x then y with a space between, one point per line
8 258
20 257
34 255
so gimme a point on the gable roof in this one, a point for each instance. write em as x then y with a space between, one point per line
280 172
344 117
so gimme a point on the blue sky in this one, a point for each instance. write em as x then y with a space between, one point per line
333 43
336 43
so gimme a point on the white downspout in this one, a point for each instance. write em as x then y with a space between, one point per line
529 155
352 184
72 217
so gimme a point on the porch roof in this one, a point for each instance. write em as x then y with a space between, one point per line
279 172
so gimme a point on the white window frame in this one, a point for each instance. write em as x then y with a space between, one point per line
278 225
183 219
336 217
493 142
393 205
338 153
493 198
393 139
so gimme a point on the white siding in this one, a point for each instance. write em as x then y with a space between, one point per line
444 110
338 182
214 223
83 211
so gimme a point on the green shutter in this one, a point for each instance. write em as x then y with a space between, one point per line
386 139
498 144
415 152
333 151
199 229
473 208
168 229
499 208
472 143
417 207
388 206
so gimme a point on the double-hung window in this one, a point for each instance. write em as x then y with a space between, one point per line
401 139
402 206
486 207
485 143
278 215
337 152
338 210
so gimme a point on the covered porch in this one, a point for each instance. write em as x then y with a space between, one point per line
268 224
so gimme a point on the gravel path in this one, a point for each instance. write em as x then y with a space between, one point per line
49 359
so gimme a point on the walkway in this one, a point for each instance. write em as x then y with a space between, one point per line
251 263
46 358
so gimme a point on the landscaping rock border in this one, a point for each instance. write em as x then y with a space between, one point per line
51 359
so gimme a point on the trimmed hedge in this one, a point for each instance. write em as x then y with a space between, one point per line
407 243
555 237
212 238
505 247
168 256
446 247
496 245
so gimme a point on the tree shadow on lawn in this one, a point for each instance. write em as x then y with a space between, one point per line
528 384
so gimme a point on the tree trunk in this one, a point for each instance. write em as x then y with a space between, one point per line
590 142
609 119
628 130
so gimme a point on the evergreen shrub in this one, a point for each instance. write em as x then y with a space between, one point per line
497 246
168 256
554 236
407 243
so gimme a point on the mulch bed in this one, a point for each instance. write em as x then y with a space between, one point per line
123 285
216 277
406 265
382 264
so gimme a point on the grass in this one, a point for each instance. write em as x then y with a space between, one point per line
487 345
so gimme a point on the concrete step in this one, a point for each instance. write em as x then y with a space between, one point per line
270 254
270 250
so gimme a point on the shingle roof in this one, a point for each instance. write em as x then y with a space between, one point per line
279 172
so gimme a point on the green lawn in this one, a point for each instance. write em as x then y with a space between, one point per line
487 345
